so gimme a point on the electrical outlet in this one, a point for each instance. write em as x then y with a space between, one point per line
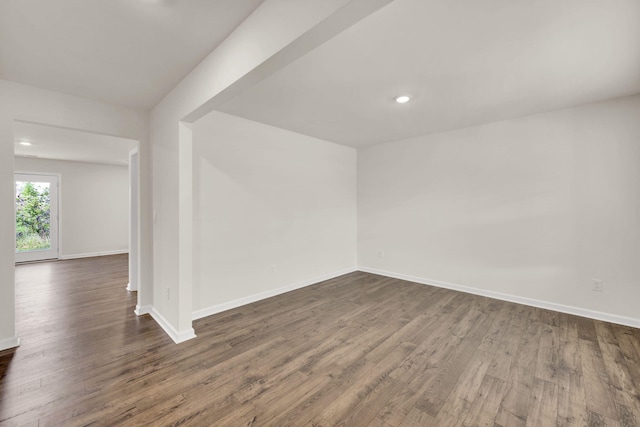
166 291
380 253
274 268
598 285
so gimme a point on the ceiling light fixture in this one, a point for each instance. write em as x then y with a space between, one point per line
402 99
25 143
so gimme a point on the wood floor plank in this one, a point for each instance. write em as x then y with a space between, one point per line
543 408
445 380
548 360
416 418
600 400
417 371
619 375
572 403
486 403
357 350
514 408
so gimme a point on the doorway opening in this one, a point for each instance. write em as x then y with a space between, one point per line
94 212
36 215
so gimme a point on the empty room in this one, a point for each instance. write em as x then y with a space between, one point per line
329 213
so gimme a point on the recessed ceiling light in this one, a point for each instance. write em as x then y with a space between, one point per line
402 99
25 143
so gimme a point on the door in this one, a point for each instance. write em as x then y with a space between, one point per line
36 217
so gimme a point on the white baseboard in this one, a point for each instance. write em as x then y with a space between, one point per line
176 336
582 312
142 309
93 254
218 308
8 343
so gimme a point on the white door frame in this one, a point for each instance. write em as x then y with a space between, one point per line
54 206
134 220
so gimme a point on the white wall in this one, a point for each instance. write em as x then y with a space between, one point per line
28 103
268 199
275 34
94 205
533 207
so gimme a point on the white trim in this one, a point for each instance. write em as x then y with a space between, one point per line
218 308
184 294
8 343
133 220
142 309
93 254
176 336
577 311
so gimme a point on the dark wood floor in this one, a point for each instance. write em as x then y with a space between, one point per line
360 350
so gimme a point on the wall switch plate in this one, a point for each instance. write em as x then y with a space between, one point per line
380 253
598 285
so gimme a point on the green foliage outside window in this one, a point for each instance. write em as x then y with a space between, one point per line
32 217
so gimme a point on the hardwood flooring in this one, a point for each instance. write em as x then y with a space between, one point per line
359 350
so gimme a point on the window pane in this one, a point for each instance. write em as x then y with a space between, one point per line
32 216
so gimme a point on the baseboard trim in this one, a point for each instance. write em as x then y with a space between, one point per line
577 311
142 309
8 343
177 336
219 308
94 254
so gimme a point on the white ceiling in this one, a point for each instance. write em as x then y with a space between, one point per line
51 142
124 52
465 62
